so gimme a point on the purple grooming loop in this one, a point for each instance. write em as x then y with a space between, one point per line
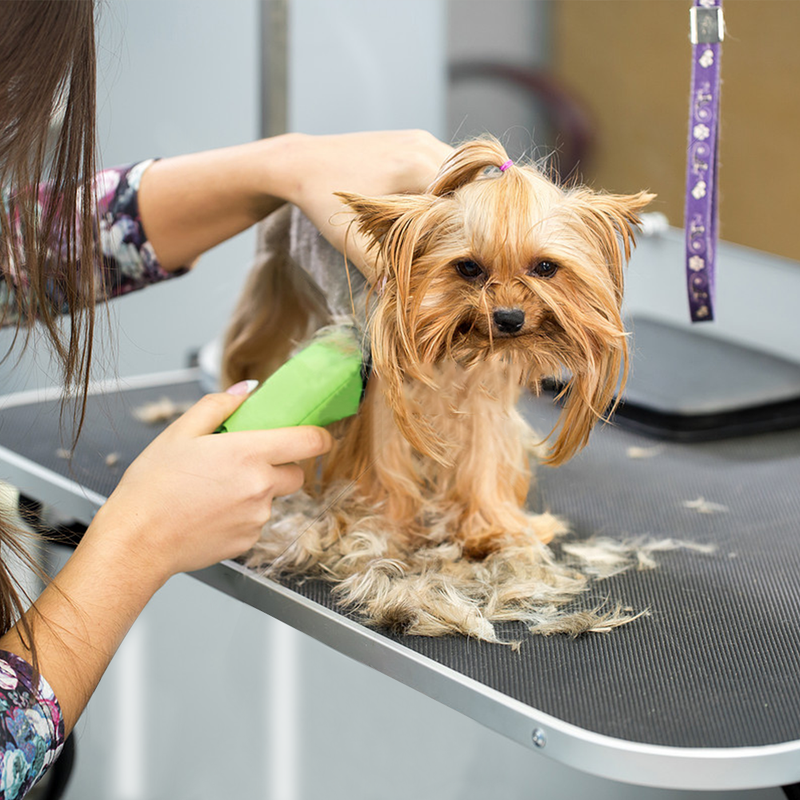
701 217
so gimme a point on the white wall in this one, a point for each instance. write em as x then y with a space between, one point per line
179 76
509 32
366 65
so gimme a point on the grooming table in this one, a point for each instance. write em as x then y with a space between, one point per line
704 693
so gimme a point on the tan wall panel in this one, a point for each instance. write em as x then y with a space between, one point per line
629 61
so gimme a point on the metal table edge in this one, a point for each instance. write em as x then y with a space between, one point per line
147 381
658 766
68 497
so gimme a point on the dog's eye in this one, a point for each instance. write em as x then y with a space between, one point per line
544 269
469 270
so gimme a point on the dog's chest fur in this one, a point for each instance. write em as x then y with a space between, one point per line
473 412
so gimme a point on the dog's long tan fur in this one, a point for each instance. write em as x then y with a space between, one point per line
486 284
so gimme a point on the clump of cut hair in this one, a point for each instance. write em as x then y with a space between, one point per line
430 588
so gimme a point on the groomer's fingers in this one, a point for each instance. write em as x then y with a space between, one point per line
209 412
285 445
289 478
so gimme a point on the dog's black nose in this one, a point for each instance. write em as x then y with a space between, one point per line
509 320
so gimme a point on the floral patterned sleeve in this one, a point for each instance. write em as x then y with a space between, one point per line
31 728
128 261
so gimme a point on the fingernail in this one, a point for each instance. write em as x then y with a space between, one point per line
243 387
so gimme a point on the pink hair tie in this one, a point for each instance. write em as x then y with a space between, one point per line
505 166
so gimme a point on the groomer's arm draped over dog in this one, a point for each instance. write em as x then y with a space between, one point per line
71 237
193 202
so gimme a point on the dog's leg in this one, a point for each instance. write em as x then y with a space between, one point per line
492 474
479 499
376 460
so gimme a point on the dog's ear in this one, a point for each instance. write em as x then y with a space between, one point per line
600 376
611 220
588 398
381 219
399 226
375 216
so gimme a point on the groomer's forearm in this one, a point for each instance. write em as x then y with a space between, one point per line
82 617
191 203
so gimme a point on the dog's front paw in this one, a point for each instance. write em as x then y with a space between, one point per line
520 530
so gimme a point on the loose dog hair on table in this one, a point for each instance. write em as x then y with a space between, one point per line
490 282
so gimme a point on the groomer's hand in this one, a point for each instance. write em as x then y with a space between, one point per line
194 498
374 163
191 499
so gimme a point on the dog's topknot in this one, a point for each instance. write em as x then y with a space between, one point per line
467 163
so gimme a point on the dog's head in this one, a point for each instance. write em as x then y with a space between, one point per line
492 264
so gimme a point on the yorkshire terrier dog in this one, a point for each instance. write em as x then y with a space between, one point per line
492 281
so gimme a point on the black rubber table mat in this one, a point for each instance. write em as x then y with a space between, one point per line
715 664
687 387
111 433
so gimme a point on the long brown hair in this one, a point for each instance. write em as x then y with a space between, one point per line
47 135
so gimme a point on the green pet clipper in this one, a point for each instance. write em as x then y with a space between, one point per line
319 385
